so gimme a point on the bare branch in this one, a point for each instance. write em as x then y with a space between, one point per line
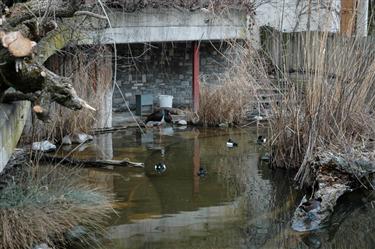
91 14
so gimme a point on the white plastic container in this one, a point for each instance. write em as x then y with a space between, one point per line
165 101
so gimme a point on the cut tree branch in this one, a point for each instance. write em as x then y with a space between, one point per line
18 96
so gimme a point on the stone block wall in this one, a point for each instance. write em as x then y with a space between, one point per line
165 68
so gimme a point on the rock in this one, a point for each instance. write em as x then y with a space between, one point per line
44 146
150 124
67 147
258 118
266 157
223 125
181 122
176 111
83 147
192 117
42 246
66 140
167 131
76 233
80 138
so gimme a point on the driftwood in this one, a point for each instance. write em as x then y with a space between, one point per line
88 162
108 129
336 175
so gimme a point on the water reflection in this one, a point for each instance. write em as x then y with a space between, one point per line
241 203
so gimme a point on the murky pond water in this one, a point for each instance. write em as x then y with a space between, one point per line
240 203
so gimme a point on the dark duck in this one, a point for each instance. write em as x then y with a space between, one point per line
231 143
261 140
159 118
160 168
311 205
202 172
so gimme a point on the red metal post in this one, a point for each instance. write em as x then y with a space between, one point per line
196 87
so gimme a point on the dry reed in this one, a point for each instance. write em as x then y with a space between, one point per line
331 107
41 205
91 71
235 95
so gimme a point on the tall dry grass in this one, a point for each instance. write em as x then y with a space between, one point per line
40 205
236 93
329 102
90 69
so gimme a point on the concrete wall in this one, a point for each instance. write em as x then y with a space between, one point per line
293 15
12 120
362 24
170 24
165 68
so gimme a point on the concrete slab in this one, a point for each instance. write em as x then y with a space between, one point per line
166 25
12 121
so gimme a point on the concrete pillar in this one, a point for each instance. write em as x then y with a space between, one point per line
104 78
12 121
103 116
104 145
362 18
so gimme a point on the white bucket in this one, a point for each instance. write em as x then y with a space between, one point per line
165 101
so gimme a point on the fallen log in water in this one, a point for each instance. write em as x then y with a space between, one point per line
336 175
89 162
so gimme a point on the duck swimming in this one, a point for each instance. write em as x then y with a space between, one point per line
202 172
160 168
231 143
311 204
261 140
159 117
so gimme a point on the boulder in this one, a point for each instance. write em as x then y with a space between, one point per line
181 122
66 140
80 138
223 125
42 246
44 146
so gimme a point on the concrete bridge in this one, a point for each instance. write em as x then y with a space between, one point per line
171 25
145 26
176 49
178 40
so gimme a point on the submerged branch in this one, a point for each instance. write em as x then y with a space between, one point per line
90 163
